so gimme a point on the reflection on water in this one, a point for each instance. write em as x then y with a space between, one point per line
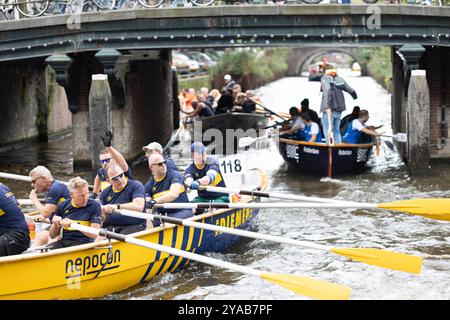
386 180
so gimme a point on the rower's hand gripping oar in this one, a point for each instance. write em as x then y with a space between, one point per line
433 208
376 257
317 289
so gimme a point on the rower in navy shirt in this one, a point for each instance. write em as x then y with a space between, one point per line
122 194
166 186
14 233
56 192
204 171
107 156
79 209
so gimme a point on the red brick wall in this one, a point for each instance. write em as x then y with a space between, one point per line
149 86
435 61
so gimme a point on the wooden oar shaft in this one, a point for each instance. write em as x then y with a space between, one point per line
19 177
270 195
206 205
206 226
267 109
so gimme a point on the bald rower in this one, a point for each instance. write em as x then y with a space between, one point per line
165 186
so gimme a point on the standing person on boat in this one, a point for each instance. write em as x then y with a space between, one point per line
14 232
229 82
155 147
311 132
56 192
333 102
106 156
204 170
348 119
357 128
165 186
122 193
295 128
80 209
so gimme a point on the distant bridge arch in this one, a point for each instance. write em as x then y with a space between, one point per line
305 56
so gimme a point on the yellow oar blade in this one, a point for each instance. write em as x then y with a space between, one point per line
383 258
309 287
437 208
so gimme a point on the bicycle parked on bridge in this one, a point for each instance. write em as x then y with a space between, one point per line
36 8
175 3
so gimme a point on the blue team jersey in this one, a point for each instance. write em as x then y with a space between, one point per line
11 216
91 213
156 188
132 190
57 193
197 172
170 164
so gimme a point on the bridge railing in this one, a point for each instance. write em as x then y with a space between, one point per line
17 9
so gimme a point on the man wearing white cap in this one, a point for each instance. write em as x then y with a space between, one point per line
229 82
155 147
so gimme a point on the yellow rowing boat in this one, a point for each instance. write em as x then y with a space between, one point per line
98 269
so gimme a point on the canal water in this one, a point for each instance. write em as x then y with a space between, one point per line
385 180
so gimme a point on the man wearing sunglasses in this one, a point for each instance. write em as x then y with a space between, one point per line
122 194
155 147
56 192
204 171
165 186
106 156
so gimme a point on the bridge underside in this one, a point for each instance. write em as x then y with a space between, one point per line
226 26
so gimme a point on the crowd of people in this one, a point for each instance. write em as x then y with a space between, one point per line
305 124
114 189
206 103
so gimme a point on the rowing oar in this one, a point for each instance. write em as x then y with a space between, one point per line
376 257
268 110
273 195
19 177
317 289
433 208
246 141
400 136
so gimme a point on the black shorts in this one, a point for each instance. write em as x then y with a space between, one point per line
126 229
14 242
